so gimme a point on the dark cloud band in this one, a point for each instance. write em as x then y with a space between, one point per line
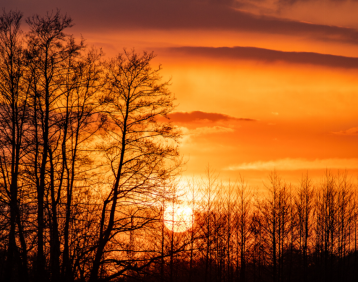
267 55
199 116
116 15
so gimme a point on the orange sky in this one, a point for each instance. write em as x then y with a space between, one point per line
260 84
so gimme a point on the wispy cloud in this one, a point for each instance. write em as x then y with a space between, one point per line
204 131
268 56
291 2
297 164
200 116
211 130
349 132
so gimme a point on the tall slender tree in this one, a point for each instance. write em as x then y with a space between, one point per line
49 49
305 204
14 81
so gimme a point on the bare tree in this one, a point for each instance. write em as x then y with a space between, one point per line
305 204
208 188
51 53
274 211
13 126
344 220
142 153
243 224
326 220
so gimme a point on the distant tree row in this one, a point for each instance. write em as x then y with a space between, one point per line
280 233
83 159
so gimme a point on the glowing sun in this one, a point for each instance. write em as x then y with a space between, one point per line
178 218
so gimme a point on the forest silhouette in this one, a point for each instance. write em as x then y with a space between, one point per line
88 167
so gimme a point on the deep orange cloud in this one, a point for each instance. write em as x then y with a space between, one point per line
200 116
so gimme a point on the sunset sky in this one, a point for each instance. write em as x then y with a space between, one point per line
260 84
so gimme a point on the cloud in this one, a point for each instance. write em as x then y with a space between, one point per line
189 135
203 117
115 15
292 2
211 130
349 132
297 164
276 5
267 56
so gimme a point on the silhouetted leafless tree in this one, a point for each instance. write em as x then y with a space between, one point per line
14 86
141 153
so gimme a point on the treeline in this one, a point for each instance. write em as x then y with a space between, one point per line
306 232
84 161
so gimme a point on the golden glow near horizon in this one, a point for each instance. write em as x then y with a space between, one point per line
178 218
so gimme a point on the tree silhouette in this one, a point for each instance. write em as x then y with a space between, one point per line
137 148
14 86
